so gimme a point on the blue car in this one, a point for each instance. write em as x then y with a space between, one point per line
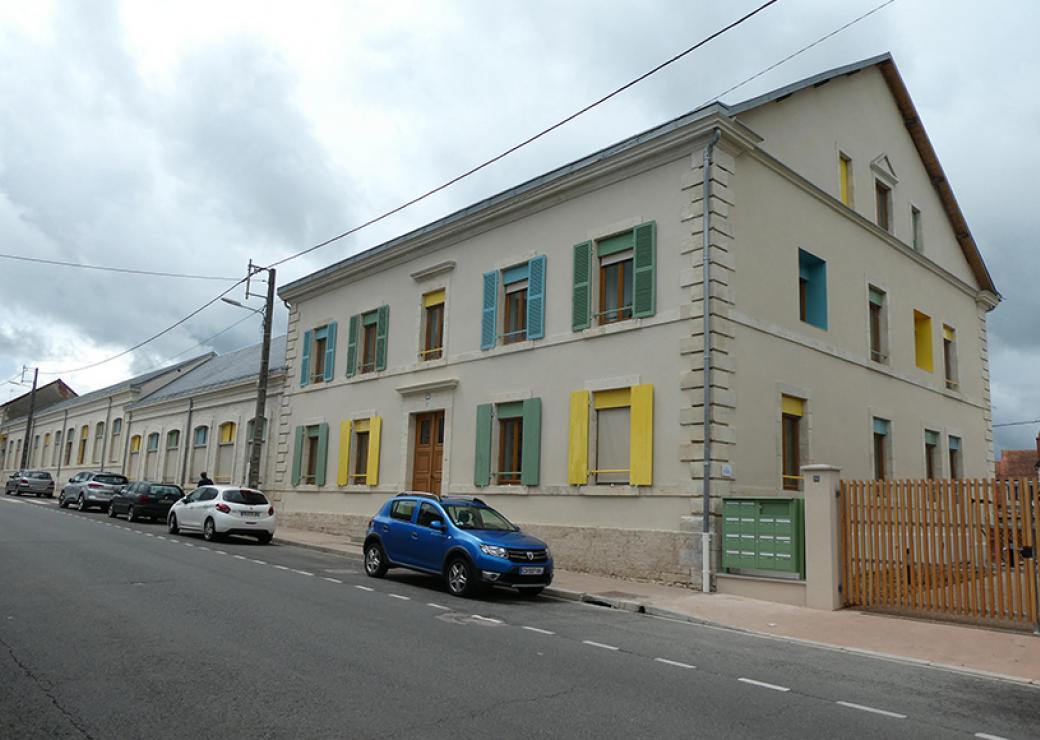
463 540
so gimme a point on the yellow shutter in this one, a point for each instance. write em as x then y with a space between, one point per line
641 436
435 298
612 399
792 406
343 465
375 428
578 450
361 425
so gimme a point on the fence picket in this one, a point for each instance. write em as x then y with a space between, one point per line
967 605
1031 512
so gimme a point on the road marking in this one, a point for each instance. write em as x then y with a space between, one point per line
149 534
240 557
986 736
331 580
874 710
539 630
599 645
258 562
486 619
203 547
765 685
281 567
676 663
402 598
364 588
438 606
188 544
301 572
161 537
220 552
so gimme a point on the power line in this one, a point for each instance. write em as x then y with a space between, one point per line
530 139
1017 423
106 268
204 342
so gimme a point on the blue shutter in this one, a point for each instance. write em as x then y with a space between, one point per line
352 341
305 361
488 318
382 329
536 298
644 270
330 350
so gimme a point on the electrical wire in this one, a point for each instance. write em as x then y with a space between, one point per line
530 139
105 268
203 343
1017 423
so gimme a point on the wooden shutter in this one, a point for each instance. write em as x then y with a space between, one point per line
489 310
343 464
581 295
532 449
382 327
644 270
305 358
482 459
641 436
375 430
330 350
578 446
536 298
323 454
297 462
352 340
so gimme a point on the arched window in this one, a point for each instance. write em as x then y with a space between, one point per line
84 434
170 467
227 433
68 445
135 444
201 436
225 452
153 441
117 430
99 440
199 453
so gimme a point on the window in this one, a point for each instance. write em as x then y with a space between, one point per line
81 456
883 196
812 289
514 327
510 443
950 357
878 324
402 510
173 439
359 452
882 449
360 456
617 275
956 466
508 439
68 445
916 235
57 449
792 410
153 441
367 344
428 513
311 454
612 440
522 301
932 466
433 326
135 443
615 428
845 178
368 351
201 436
319 354
227 433
117 429
923 341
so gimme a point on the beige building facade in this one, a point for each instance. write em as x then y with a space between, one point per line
544 349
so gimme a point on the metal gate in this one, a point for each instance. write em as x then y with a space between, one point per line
953 549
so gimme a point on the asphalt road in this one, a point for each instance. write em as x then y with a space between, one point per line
116 630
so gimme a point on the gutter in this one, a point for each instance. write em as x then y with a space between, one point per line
107 434
706 531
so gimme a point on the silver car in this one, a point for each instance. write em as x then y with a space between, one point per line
33 482
90 490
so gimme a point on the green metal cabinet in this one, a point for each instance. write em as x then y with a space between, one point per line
763 534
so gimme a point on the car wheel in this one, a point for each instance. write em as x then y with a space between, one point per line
460 578
375 560
81 503
171 524
131 515
209 531
530 593
264 538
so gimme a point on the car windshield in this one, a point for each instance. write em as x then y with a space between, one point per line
472 516
245 496
40 476
166 491
112 480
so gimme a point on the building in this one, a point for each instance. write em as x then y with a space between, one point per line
1019 463
545 348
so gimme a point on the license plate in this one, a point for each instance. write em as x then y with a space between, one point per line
531 571
250 513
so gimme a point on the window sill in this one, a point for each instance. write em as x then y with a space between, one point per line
596 489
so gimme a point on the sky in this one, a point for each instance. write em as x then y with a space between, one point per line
194 136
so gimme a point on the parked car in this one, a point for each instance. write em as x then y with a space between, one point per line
145 500
221 510
463 540
91 489
37 482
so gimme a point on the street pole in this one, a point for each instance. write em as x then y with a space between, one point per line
24 463
259 418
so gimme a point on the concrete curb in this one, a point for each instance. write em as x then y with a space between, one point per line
319 548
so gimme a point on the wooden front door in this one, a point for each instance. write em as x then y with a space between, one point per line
429 452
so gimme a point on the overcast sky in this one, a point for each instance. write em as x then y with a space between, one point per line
193 136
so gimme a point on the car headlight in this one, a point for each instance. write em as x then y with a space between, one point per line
548 553
494 551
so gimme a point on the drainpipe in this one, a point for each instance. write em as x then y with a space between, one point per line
187 441
706 225
108 431
64 442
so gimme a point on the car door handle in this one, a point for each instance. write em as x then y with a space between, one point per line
415 535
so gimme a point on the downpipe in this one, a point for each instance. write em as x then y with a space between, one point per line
706 272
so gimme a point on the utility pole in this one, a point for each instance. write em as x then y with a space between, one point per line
259 418
24 462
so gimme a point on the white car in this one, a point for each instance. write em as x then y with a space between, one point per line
216 511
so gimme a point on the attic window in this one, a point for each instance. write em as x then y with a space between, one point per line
883 196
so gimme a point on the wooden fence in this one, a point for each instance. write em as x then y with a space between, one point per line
958 549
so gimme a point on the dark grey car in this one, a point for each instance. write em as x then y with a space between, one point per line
34 482
90 490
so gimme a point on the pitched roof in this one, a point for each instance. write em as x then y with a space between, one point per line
1017 464
220 371
888 70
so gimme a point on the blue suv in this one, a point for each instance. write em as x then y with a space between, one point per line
463 540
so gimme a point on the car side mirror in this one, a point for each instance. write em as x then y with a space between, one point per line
70 480
437 524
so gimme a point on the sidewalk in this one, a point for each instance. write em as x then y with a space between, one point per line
967 648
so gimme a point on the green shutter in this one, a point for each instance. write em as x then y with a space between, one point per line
382 327
488 317
330 351
297 461
536 298
482 460
305 361
323 454
532 442
352 340
581 297
644 267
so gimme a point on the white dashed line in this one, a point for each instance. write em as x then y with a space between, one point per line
599 645
873 710
281 567
486 619
258 562
539 630
438 606
240 557
301 572
676 663
398 596
149 534
187 544
220 552
364 588
203 547
161 537
331 580
764 685
986 736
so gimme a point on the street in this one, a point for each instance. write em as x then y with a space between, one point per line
117 630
